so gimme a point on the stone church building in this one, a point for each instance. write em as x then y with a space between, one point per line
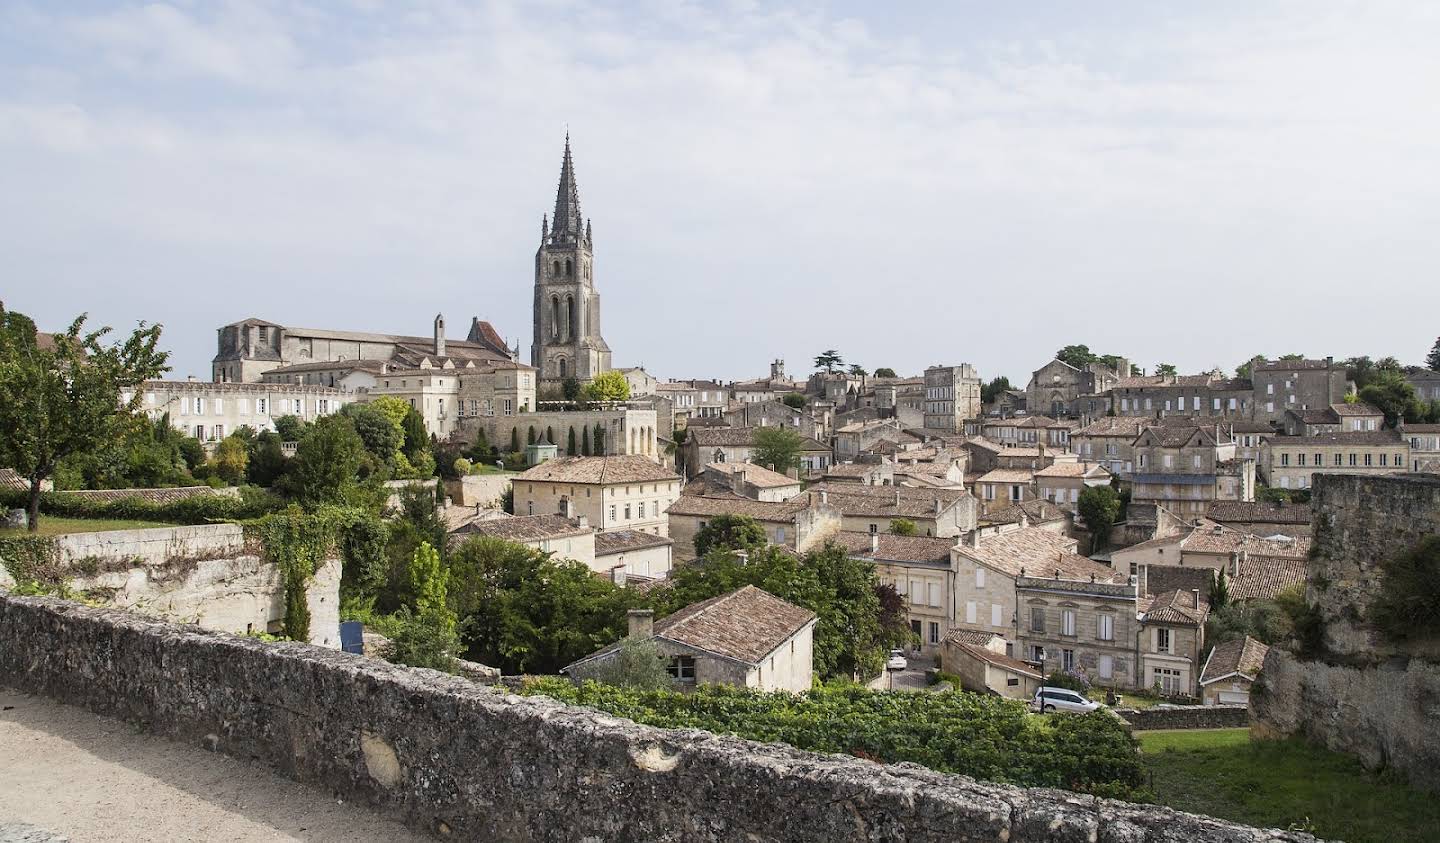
567 341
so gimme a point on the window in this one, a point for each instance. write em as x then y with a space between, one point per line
199 406
1168 680
1269 406
641 514
219 405
1037 653
262 406
970 611
1215 404
1318 461
1162 640
1037 619
1196 461
1337 459
996 615
1067 622
509 407
1269 389
682 668
1015 492
1067 662
1284 459
1169 460
1352 460
874 529
935 594
218 432
1300 459
979 577
1107 667
200 432
612 515
1367 459
1181 404
1105 627
934 633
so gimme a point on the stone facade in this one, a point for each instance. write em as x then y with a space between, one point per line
211 411
452 758
205 575
1295 385
1069 625
1291 462
952 395
624 430
567 341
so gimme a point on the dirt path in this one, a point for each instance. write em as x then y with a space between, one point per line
66 771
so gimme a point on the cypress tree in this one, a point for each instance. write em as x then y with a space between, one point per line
585 441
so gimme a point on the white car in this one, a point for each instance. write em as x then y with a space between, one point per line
1049 699
896 661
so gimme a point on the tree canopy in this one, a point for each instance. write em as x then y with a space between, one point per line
608 386
730 532
1432 360
1099 506
777 448
885 372
992 390
828 360
68 394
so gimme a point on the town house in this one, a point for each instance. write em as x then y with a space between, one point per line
939 512
1289 462
921 569
800 524
623 492
1185 469
1069 624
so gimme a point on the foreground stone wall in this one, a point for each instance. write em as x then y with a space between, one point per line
470 762
1187 717
1388 716
205 575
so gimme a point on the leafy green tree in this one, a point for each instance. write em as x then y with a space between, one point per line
514 439
291 428
794 400
599 440
902 527
420 642
1244 369
1432 360
1078 356
1219 591
777 448
858 371
895 628
636 664
1165 370
65 395
730 532
230 459
266 462
828 360
608 386
382 433
1262 620
429 582
885 372
994 389
416 437
326 462
1100 507
1391 394
570 389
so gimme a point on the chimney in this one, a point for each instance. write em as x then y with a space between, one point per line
937 505
874 543
642 621
617 576
975 537
897 497
824 497
1195 595
439 335
737 481
583 522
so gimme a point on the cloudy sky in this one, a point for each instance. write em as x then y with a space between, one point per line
964 181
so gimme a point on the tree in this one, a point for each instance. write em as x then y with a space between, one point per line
885 372
730 532
1099 506
231 458
570 444
1391 394
1219 591
992 390
381 431
570 389
793 400
585 441
1408 606
67 394
1243 371
902 527
1078 356
291 428
828 360
608 386
894 617
514 439
637 663
858 371
777 448
1432 360
599 441
266 462
1165 370
325 462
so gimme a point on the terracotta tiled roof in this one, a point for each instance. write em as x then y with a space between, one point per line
11 480
972 636
623 541
755 475
1243 656
328 365
1263 577
1126 426
1259 512
887 501
1069 469
1291 365
1007 475
1221 539
745 625
710 506
1176 607
625 468
526 528
1036 512
167 495
1160 579
1372 437
999 660
1039 553
897 548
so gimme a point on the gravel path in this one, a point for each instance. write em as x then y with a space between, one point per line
67 773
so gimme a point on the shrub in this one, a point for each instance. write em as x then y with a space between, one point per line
1409 603
982 736
1075 680
200 509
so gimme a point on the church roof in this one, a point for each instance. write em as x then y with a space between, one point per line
568 223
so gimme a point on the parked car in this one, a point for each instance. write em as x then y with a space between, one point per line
896 661
1062 699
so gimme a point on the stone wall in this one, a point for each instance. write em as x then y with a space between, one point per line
1359 523
471 762
485 490
205 575
1187 717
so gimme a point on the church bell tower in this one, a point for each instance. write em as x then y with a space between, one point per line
567 341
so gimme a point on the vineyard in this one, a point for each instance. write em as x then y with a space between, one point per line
984 737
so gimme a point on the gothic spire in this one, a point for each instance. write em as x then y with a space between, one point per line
568 224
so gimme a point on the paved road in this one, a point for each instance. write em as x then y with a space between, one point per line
65 772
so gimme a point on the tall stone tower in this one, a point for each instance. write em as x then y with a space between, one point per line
567 342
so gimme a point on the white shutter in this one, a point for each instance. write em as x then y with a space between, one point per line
995 615
970 611
979 577
934 594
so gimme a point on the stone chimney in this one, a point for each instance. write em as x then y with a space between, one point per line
975 537
897 497
642 621
439 335
938 505
874 543
737 482
583 522
824 497
1195 596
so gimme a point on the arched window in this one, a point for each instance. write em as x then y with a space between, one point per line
718 456
561 363
555 269
569 268
571 319
555 317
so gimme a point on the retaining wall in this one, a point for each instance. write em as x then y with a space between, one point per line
470 762
1187 717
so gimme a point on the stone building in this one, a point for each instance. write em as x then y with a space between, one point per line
210 411
1002 487
1336 418
1282 385
1209 396
800 524
345 375
1186 469
1290 462
1230 670
623 492
566 538
454 398
749 481
1426 384
1070 624
1172 639
567 341
641 382
249 349
921 570
748 638
626 556
1110 441
737 444
944 513
1056 387
979 659
1021 430
952 395
694 399
1424 440
1062 482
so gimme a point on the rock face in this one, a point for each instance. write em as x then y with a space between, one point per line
471 762
15 519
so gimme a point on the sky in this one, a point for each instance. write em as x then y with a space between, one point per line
911 184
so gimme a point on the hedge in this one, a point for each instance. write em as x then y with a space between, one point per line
201 509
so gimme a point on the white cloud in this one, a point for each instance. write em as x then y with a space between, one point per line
1196 189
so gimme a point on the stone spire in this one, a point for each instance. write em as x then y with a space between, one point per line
568 225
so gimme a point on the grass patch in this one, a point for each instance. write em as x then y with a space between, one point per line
1283 784
52 525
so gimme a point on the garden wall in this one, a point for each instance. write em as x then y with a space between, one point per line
469 762
1187 717
484 490
205 575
